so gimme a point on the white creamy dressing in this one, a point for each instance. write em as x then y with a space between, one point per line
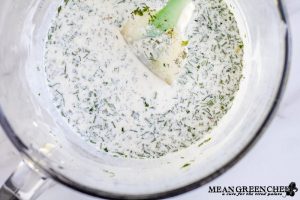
115 103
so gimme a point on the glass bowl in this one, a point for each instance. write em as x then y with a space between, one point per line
52 152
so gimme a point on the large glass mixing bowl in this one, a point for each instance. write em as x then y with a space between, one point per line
52 153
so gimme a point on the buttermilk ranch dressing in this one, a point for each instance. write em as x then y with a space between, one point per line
115 103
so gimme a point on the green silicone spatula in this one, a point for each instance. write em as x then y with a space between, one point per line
157 37
169 15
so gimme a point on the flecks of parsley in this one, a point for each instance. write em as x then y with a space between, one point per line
170 32
140 11
146 104
58 9
92 141
184 43
186 165
205 141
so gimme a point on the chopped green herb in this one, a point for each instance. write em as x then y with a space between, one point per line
170 32
58 9
140 11
146 104
186 165
205 141
92 141
184 43
210 103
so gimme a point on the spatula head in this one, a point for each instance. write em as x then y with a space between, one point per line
163 52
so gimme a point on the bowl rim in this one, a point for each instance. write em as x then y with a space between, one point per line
52 174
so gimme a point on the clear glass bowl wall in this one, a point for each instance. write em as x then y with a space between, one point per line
31 124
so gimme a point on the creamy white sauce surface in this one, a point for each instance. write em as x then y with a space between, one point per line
115 103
